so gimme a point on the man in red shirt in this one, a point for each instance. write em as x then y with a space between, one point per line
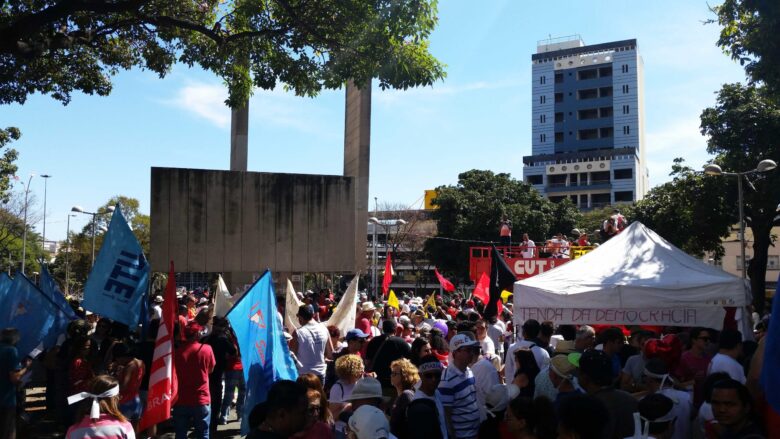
194 362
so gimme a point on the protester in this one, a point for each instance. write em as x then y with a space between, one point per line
99 413
585 338
485 342
234 382
223 349
382 351
420 349
732 406
129 371
319 421
583 416
596 379
430 370
79 367
403 376
369 423
356 340
458 391
657 416
311 343
658 381
531 329
631 376
485 378
526 372
284 412
562 372
527 418
729 350
11 370
194 362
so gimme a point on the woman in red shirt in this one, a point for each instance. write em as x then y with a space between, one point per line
79 368
129 371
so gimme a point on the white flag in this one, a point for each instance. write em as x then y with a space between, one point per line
223 301
291 305
344 316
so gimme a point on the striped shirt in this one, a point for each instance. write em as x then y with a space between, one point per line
107 427
458 391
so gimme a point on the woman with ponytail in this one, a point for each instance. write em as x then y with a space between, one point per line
99 415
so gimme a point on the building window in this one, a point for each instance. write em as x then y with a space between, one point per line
542 80
624 196
606 132
624 68
588 134
542 99
605 71
747 262
626 130
587 74
623 174
558 78
605 112
534 179
589 113
558 97
559 137
625 88
542 138
625 109
558 117
542 118
590 93
605 92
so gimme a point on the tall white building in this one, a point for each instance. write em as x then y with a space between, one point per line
588 127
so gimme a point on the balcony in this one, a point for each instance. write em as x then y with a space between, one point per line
580 187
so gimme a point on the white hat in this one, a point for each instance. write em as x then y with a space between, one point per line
365 388
158 299
499 396
368 422
367 306
462 341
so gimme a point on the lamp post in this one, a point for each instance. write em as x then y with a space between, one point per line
384 223
94 219
45 178
763 166
24 233
67 256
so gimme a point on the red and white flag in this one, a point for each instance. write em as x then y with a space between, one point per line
163 385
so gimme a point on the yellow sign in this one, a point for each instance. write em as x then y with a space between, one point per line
429 197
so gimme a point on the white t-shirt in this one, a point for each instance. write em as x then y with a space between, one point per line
496 333
724 363
338 392
312 341
419 394
529 252
683 407
487 346
485 377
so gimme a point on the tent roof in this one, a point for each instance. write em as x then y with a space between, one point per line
635 269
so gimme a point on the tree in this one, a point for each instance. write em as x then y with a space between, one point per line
12 232
742 130
7 167
693 211
749 35
470 212
57 46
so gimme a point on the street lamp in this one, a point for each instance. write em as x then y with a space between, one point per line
763 166
67 256
45 178
94 218
384 223
24 234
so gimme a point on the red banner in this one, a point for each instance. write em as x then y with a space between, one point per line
162 378
525 268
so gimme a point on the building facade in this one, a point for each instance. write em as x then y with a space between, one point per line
588 141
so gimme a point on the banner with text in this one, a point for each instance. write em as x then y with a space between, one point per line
710 317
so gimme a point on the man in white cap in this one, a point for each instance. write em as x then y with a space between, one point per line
156 311
458 391
369 422
431 369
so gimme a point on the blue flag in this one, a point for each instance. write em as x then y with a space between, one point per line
260 337
5 285
116 286
52 291
770 372
39 320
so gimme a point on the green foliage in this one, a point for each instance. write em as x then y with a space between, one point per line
472 211
749 30
7 159
742 130
57 46
693 211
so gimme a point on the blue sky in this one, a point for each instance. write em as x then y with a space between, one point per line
478 117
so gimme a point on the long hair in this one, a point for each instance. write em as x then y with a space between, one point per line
108 406
312 382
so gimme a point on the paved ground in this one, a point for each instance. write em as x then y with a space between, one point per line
40 426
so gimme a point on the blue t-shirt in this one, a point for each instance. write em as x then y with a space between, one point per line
9 362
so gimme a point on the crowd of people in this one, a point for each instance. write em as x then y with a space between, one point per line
433 367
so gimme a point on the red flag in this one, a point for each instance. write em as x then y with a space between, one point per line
445 284
388 275
482 289
163 384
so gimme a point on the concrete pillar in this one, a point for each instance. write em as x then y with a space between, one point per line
357 150
239 138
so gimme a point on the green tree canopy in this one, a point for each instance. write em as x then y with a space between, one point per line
749 34
57 46
472 210
742 129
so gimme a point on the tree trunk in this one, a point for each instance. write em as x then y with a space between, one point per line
757 268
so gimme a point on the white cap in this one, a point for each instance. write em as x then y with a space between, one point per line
462 341
368 422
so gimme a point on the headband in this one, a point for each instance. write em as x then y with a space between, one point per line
663 377
94 412
432 365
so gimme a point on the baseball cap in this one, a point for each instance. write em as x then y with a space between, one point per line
462 341
365 388
368 422
354 334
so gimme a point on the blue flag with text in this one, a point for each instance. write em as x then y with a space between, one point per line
39 320
264 353
770 373
52 291
117 283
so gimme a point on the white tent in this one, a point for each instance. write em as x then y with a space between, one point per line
635 278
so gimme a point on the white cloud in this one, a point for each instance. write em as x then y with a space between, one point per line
204 100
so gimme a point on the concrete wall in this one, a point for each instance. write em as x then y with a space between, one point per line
229 221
